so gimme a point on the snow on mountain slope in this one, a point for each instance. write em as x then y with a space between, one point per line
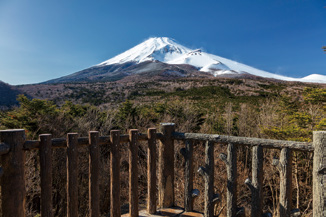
166 50
316 78
161 48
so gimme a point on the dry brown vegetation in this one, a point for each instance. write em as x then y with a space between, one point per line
249 108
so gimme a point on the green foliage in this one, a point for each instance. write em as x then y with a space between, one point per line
32 115
73 110
300 118
126 110
314 95
321 125
87 95
291 132
201 108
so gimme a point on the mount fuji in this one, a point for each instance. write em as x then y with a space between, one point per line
165 57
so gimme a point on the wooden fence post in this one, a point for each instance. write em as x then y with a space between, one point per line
115 210
133 173
46 174
166 166
189 177
72 175
94 174
319 174
285 166
257 181
13 180
151 171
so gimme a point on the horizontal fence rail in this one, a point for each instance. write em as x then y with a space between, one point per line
82 141
265 143
160 187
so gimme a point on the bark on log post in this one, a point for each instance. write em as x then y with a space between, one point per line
151 171
94 174
115 174
257 181
133 173
232 180
208 174
319 173
72 175
46 174
13 180
166 166
285 166
189 177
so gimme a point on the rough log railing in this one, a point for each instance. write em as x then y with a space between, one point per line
13 146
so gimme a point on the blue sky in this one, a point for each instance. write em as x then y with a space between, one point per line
42 40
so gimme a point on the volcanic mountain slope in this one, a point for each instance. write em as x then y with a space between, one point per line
163 56
8 95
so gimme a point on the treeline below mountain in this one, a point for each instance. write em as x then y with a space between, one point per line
111 94
231 107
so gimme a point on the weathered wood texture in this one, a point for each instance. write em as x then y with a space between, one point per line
94 174
196 136
151 171
189 177
133 173
4 148
166 167
46 174
232 180
266 143
257 181
115 174
207 173
319 174
72 175
13 144
285 166
13 180
82 141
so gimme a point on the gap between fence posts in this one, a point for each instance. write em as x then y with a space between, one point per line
94 174
46 174
231 180
72 175
133 173
209 179
115 210
151 171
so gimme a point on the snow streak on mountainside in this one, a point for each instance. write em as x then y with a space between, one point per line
166 50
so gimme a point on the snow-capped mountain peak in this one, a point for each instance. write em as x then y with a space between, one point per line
162 49
159 54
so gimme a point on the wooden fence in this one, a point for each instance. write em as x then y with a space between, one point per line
13 145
